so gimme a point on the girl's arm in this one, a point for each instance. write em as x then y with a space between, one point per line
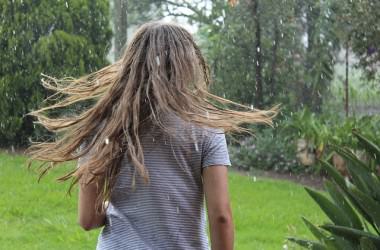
215 183
87 217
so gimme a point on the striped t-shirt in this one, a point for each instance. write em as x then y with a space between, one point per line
167 213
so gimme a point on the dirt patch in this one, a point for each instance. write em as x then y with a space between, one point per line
314 181
13 151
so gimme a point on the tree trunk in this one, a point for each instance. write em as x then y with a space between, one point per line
346 108
258 61
307 88
120 26
312 89
276 41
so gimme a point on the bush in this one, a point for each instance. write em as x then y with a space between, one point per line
319 131
276 149
328 128
354 203
265 151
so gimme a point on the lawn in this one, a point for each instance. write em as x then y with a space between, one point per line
40 216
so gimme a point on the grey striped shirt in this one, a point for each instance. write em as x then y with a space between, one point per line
167 213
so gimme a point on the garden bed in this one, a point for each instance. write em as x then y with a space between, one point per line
305 179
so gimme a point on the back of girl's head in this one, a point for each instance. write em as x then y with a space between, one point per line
165 65
166 50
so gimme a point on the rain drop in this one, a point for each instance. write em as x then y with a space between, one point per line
158 60
196 146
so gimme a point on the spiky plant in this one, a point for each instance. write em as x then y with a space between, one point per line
352 204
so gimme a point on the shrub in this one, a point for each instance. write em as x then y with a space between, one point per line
354 203
265 151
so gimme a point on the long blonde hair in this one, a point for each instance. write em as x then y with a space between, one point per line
161 71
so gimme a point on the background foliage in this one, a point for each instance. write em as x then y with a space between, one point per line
58 38
260 53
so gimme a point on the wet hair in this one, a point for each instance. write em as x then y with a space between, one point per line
161 71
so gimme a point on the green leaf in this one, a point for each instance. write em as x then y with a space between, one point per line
315 230
338 179
343 203
369 146
366 244
342 243
333 173
368 204
352 234
360 172
358 179
375 187
309 244
328 241
331 210
348 155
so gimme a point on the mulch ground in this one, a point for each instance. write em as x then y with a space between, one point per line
310 180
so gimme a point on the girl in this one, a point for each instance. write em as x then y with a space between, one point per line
152 145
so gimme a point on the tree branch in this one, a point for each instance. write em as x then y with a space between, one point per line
197 16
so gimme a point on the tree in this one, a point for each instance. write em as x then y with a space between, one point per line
120 25
265 52
342 15
258 65
320 52
365 16
355 25
129 13
254 57
62 38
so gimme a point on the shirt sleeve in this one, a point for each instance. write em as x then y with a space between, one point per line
216 151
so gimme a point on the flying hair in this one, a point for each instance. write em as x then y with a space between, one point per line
162 71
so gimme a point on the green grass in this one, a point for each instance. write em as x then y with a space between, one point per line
40 216
266 211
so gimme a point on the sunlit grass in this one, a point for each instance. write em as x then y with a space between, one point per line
40 216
